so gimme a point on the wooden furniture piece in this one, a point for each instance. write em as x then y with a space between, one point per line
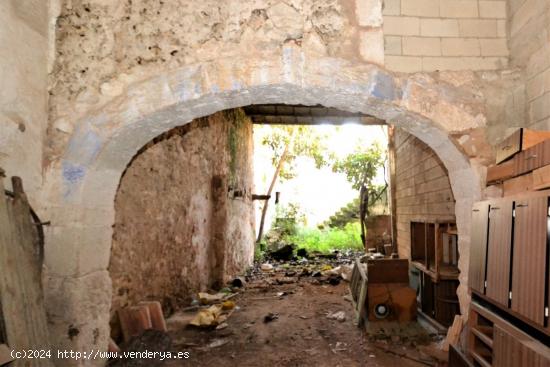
21 276
493 341
509 259
519 141
434 253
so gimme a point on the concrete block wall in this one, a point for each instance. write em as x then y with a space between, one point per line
529 25
423 190
430 35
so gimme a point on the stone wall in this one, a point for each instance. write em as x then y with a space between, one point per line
423 191
529 25
23 93
430 35
102 46
184 205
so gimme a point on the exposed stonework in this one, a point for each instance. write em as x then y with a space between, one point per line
102 46
167 213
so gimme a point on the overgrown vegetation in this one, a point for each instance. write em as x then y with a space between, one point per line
328 239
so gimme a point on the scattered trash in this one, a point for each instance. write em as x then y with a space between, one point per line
208 299
333 280
270 317
284 253
216 343
238 282
302 252
326 267
222 326
267 267
228 305
211 316
338 316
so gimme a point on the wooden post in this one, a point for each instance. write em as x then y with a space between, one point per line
20 277
392 163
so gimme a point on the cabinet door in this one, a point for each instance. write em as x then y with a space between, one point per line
516 351
529 258
499 250
478 246
529 159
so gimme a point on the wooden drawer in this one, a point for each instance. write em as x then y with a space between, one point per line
517 350
522 139
529 159
509 146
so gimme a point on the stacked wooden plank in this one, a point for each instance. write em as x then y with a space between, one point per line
523 162
21 297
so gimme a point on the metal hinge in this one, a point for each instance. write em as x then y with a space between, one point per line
549 211
546 312
485 284
514 213
510 296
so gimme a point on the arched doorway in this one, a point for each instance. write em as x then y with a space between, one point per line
77 250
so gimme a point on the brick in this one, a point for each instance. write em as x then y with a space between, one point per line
405 64
458 9
391 7
421 46
494 47
463 63
460 47
392 45
369 12
478 27
501 28
421 8
492 9
371 46
439 27
401 26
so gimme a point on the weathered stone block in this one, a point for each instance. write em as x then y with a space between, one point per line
422 8
439 27
392 45
401 26
492 9
405 64
478 28
460 47
391 7
369 12
459 9
371 46
421 46
494 47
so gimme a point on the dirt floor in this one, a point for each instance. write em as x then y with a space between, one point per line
300 335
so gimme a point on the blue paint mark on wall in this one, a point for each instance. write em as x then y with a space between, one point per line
384 87
73 173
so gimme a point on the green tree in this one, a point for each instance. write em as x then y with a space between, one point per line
288 142
360 168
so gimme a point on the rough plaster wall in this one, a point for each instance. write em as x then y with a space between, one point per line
423 191
23 95
429 35
102 45
529 25
162 241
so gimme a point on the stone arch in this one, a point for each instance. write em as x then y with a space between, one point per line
85 182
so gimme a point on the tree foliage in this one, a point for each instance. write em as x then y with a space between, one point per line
361 166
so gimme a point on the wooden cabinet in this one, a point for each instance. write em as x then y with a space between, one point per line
492 341
529 272
478 246
499 250
522 139
529 159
